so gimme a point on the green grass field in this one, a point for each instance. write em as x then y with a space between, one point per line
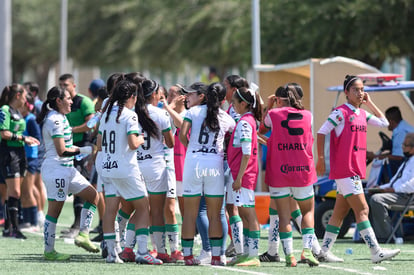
26 257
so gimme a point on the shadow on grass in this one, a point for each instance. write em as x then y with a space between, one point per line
39 258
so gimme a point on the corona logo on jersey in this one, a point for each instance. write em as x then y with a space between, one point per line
286 168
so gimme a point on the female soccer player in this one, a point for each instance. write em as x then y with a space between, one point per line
243 162
13 158
118 140
61 178
290 169
156 126
203 168
347 125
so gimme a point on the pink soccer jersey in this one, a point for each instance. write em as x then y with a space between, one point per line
289 161
348 150
179 156
235 154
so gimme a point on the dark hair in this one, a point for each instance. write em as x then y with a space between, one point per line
149 87
9 93
52 95
201 89
30 100
102 92
144 119
290 94
123 90
213 104
393 113
111 81
236 81
222 92
349 80
33 87
297 87
243 94
65 77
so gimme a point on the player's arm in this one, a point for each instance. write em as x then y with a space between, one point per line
61 149
168 138
83 127
185 129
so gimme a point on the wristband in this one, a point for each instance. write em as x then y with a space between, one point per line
85 150
13 137
24 139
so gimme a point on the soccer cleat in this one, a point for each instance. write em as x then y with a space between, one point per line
216 260
291 261
328 257
127 256
308 258
190 260
266 257
18 235
147 259
231 250
7 233
165 258
249 261
113 259
384 254
82 240
56 256
237 259
98 238
177 255
205 257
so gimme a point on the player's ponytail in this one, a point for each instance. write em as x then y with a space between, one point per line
146 122
50 104
213 105
252 99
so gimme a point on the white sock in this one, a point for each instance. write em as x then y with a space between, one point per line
86 218
142 240
122 220
254 237
307 237
171 231
316 248
130 239
287 242
273 239
236 226
49 233
368 235
109 238
159 238
331 233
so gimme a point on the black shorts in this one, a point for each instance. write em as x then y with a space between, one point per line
12 162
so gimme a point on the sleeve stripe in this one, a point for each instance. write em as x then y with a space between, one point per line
333 122
166 130
132 132
187 119
58 136
369 117
245 139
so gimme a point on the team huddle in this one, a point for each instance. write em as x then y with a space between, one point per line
154 147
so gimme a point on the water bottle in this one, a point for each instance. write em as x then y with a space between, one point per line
95 119
80 156
160 104
349 251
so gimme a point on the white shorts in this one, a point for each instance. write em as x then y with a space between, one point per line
349 186
244 198
129 188
171 183
298 193
99 184
155 174
180 188
203 175
61 181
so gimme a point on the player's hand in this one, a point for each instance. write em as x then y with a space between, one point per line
366 99
271 100
320 167
237 185
31 141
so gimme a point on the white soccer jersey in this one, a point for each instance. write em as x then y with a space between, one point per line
118 161
56 125
243 137
202 141
153 146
